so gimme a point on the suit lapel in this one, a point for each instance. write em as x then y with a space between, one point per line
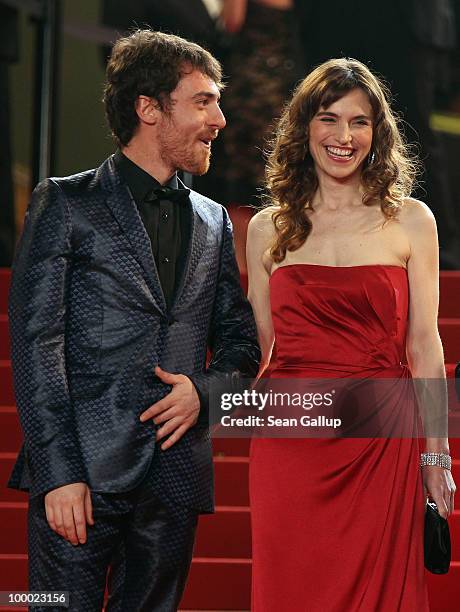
124 209
197 244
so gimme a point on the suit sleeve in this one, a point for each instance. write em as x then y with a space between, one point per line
233 335
37 317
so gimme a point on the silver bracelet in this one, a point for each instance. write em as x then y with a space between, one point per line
440 459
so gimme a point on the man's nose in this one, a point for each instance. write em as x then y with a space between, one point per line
217 119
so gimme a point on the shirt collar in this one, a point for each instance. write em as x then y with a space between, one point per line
139 181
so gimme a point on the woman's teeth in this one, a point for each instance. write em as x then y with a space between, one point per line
339 152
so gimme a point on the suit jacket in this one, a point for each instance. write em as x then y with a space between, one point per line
89 322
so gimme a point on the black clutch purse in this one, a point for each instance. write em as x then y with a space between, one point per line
436 541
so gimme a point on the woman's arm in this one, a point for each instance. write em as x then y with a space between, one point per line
260 236
423 345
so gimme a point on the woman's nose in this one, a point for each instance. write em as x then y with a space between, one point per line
343 133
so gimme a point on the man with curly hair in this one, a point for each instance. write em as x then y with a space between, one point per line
122 280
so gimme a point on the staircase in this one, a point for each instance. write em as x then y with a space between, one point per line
220 577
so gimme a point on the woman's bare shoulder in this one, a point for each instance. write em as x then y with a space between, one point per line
418 224
261 236
414 213
262 222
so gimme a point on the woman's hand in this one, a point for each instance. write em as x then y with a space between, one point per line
440 486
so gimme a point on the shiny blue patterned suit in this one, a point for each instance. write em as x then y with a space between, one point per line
88 324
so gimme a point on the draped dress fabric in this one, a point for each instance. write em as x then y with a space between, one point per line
337 523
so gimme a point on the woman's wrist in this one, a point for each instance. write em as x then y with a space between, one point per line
437 445
442 460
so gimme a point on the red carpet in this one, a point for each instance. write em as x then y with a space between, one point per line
221 571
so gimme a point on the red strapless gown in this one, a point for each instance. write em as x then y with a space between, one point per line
337 524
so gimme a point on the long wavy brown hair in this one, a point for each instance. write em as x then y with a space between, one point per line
291 180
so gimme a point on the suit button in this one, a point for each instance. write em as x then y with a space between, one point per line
165 260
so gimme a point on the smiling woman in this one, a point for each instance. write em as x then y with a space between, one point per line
339 102
343 275
342 134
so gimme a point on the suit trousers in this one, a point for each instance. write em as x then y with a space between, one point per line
139 546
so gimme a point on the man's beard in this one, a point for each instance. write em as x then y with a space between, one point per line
194 164
187 162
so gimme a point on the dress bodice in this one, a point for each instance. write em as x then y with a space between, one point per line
345 319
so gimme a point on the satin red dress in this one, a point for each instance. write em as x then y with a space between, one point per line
337 523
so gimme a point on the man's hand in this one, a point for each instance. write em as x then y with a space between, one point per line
178 411
68 509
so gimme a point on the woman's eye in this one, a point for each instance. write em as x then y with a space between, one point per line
326 119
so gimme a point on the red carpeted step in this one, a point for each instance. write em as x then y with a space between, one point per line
454 443
231 481
13 572
227 533
4 289
449 292
450 370
6 384
449 330
10 430
13 540
444 591
218 584
8 495
224 447
4 337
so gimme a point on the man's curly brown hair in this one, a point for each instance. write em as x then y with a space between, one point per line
149 63
290 174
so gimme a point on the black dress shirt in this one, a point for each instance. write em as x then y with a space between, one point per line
167 224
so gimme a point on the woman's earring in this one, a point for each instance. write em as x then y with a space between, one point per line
371 158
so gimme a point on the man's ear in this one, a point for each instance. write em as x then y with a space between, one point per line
147 109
